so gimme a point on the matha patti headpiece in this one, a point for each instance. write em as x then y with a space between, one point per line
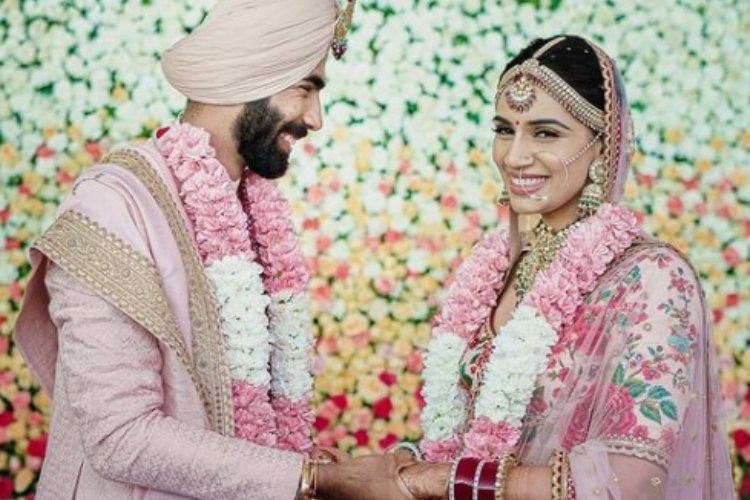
518 86
343 24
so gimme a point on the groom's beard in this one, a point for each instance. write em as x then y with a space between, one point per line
257 130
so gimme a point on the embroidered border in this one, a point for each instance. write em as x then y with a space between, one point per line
209 358
112 268
638 447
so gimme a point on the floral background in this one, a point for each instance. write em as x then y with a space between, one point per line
398 185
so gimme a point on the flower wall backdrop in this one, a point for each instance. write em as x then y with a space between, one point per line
398 185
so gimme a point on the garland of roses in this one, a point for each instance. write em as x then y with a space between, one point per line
250 254
521 349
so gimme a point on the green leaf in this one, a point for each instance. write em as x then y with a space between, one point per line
669 408
619 375
650 411
636 387
658 392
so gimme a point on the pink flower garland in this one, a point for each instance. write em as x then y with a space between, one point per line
225 228
556 294
284 269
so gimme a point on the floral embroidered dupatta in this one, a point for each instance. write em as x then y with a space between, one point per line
631 391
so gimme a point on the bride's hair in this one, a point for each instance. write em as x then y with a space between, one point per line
574 60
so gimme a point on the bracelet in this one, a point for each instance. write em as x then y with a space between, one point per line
508 461
475 482
309 480
486 486
408 446
568 482
451 486
557 462
463 485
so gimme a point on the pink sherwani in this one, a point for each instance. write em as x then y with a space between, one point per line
115 328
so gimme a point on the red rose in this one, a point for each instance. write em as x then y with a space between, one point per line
6 418
340 401
388 441
382 408
362 437
321 423
6 487
388 378
745 486
37 447
741 438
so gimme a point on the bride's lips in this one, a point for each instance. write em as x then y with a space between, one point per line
527 184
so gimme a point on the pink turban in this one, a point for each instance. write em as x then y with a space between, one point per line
247 50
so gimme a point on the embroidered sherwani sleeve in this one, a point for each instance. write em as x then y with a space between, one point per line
111 368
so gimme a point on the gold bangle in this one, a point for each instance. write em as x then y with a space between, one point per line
308 482
508 461
556 463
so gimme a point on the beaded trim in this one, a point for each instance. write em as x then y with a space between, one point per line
520 93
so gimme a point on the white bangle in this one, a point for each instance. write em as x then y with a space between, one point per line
410 447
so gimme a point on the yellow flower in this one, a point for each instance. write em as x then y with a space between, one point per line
17 257
75 133
370 389
705 237
476 157
340 134
402 311
703 165
8 155
745 139
718 143
16 430
738 177
429 189
354 324
404 153
631 190
489 190
49 131
120 94
23 480
674 135
671 172
33 180
637 158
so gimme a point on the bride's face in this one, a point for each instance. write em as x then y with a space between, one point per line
531 149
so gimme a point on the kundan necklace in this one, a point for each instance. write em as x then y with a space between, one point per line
543 247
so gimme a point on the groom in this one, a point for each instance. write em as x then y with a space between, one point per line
166 314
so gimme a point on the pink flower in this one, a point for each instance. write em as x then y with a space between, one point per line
254 418
619 412
294 423
440 451
578 427
488 440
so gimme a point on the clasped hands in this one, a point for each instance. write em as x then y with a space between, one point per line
393 476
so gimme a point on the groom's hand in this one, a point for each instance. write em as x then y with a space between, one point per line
370 477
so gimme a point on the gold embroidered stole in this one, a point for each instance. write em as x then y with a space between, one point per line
129 281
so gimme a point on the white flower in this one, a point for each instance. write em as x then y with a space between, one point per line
446 409
519 355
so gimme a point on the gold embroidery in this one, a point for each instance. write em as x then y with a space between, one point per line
208 342
638 447
113 269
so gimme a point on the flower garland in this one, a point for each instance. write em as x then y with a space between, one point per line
522 347
263 304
